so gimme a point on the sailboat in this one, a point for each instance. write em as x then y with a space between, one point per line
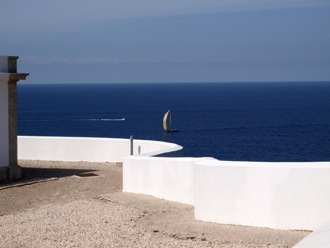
165 123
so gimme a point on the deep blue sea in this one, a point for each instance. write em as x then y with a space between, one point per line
228 121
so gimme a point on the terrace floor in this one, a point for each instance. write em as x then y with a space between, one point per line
48 183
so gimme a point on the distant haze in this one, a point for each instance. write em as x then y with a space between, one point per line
114 41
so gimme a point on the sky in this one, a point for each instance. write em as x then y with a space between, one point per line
128 41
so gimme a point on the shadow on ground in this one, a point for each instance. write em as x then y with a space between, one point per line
35 174
29 173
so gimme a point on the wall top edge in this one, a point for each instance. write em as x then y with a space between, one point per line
88 138
265 165
182 159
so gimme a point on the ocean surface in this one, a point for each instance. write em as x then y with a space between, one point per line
228 121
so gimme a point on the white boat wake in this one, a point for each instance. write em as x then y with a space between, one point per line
122 119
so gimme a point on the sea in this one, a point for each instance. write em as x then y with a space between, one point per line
247 121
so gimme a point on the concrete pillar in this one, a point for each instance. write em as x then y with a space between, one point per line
9 169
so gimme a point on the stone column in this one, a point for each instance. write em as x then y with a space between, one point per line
9 169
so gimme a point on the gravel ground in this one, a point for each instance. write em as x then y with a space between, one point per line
52 207
88 223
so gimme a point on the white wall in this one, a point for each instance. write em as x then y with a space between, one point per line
150 148
86 149
320 238
4 129
167 178
274 195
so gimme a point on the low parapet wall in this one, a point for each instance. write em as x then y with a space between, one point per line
167 178
89 149
274 195
320 238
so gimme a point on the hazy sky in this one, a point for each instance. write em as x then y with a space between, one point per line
105 41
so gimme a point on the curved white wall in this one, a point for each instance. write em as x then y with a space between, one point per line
88 149
274 195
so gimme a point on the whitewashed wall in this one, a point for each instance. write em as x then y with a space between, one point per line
4 129
87 149
274 195
167 178
320 238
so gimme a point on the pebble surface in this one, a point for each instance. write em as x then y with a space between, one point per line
53 207
88 223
